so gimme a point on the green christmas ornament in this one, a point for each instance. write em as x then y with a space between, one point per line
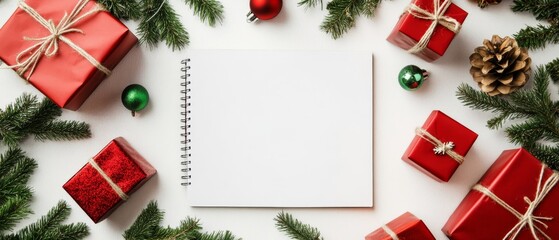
135 98
411 77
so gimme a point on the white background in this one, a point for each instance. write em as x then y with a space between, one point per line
397 186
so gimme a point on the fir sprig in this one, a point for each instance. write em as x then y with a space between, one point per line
538 130
310 3
123 9
27 116
209 11
342 15
15 198
537 37
295 229
541 9
160 22
147 226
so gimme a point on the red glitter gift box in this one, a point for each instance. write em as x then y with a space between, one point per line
406 226
419 33
516 193
108 179
64 48
439 147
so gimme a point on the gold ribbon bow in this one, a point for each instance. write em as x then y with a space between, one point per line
48 45
437 17
441 148
528 217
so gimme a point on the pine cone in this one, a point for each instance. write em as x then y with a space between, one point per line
484 3
500 66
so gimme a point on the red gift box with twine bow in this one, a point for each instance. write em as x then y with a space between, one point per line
406 226
515 199
64 48
108 179
427 27
439 146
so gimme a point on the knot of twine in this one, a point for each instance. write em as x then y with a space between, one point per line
437 17
113 185
441 148
390 233
48 45
528 217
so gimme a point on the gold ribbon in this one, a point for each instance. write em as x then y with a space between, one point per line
441 148
113 185
390 233
437 17
48 45
528 217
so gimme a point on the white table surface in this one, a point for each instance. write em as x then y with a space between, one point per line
397 186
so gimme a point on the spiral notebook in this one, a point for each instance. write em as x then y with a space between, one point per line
278 128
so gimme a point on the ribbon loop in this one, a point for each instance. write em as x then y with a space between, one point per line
528 217
27 60
441 148
437 17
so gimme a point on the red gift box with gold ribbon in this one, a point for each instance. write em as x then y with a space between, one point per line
427 27
108 179
515 199
406 226
439 146
64 48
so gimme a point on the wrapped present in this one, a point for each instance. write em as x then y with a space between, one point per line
427 27
64 48
515 199
406 226
439 147
108 179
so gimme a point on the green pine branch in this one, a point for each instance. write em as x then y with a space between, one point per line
209 11
15 199
160 22
27 116
147 226
541 9
123 9
553 70
310 3
537 114
538 37
343 13
295 229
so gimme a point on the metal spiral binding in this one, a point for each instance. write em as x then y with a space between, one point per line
185 121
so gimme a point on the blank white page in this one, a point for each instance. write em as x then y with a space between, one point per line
281 128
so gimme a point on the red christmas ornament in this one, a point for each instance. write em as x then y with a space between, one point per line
263 9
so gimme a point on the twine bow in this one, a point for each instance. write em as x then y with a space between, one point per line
390 233
528 217
437 17
441 148
113 185
48 45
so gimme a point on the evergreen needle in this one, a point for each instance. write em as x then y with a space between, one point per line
209 11
160 22
295 229
343 13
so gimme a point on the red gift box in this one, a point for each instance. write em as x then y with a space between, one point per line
63 73
107 180
516 185
412 27
430 150
406 226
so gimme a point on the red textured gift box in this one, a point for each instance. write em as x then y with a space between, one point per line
66 77
118 164
421 151
405 227
516 179
410 29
